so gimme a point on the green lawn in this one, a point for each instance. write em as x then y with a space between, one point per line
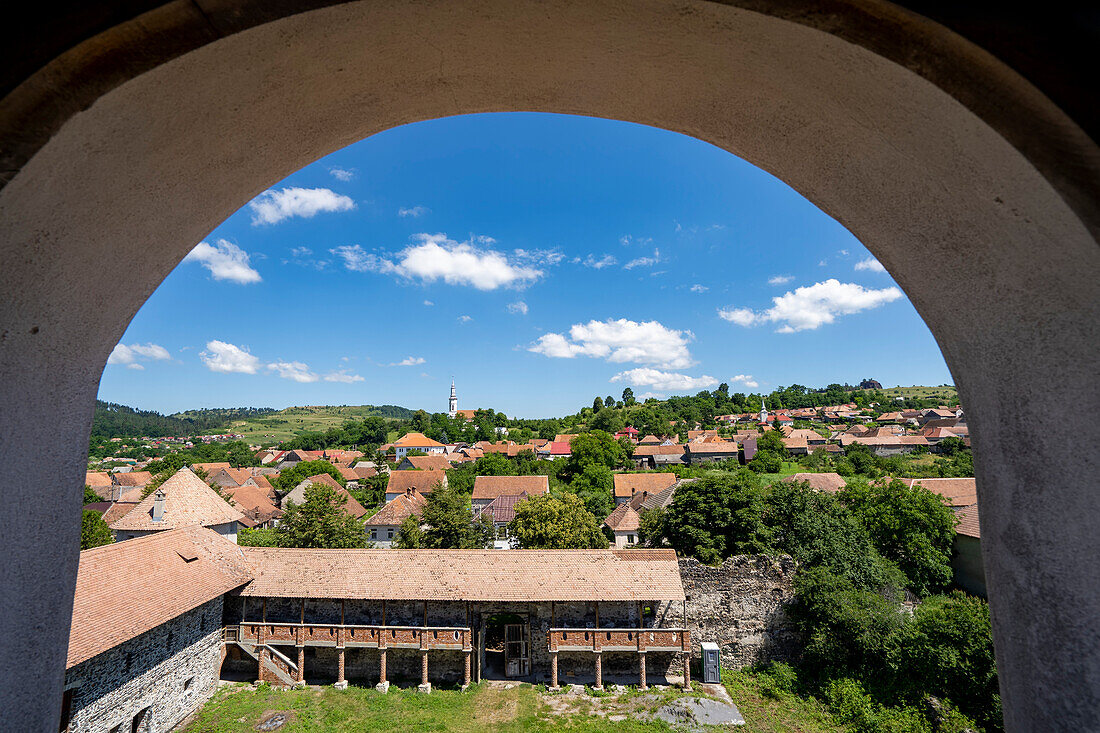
239 708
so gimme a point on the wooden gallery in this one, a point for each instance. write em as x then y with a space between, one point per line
159 620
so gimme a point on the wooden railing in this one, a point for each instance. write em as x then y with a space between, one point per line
354 635
618 640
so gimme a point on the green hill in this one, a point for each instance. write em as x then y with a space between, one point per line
282 425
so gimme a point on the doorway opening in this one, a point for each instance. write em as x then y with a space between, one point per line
507 647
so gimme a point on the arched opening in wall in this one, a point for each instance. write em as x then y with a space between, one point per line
470 283
920 162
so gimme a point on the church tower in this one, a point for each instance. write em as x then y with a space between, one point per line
452 403
763 410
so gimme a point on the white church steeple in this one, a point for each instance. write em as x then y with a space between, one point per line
763 412
452 403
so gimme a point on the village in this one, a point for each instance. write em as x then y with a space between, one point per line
454 567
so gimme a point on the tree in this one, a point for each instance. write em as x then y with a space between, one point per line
608 420
915 528
451 524
410 536
609 401
594 485
628 397
595 447
291 477
90 497
320 521
947 650
597 404
817 530
717 516
257 537
94 532
651 528
555 522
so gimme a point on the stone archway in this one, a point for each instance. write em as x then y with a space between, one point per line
164 124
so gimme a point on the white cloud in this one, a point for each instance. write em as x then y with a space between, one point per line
227 358
822 263
843 252
465 319
341 174
438 258
538 257
136 366
870 264
409 361
130 355
664 381
740 316
518 307
644 261
699 288
598 264
626 240
294 370
780 279
225 260
304 256
272 207
745 379
428 303
413 211
343 377
811 306
620 341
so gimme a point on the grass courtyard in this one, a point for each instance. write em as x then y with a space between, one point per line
490 708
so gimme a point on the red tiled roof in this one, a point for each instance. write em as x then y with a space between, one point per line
97 478
210 468
957 491
560 448
623 519
465 575
398 510
490 487
434 461
503 508
422 481
968 521
416 440
133 478
627 484
654 450
127 588
827 482
187 501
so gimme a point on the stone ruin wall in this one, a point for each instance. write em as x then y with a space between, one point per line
742 606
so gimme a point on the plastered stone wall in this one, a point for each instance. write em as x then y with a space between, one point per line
742 606
171 670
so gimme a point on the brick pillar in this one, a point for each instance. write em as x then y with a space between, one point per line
382 666
687 671
341 683
261 648
301 664
466 663
554 670
599 671
641 672
424 667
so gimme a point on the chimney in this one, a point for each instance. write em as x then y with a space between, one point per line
158 506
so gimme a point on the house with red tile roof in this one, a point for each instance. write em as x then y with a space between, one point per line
623 524
628 484
383 527
423 481
416 442
298 494
488 488
183 500
435 461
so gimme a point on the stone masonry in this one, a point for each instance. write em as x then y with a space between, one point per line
157 678
742 606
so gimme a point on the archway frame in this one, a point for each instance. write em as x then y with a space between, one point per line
163 125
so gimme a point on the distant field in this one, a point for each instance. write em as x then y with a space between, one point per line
294 421
949 395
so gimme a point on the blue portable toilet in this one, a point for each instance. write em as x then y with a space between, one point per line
712 663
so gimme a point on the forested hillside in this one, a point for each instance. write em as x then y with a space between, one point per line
119 421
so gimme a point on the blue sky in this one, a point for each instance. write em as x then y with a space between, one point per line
539 259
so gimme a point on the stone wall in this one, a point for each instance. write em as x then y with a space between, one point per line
742 606
166 672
